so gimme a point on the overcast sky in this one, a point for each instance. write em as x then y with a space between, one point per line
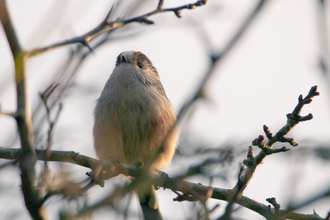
257 83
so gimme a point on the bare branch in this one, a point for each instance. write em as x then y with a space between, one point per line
216 58
294 118
107 25
23 118
227 215
266 149
321 195
7 113
277 207
175 184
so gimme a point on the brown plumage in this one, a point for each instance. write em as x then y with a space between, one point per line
133 116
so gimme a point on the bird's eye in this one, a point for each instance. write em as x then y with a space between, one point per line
140 65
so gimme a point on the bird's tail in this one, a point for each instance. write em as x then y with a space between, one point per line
149 203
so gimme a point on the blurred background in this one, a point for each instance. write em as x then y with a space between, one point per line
282 54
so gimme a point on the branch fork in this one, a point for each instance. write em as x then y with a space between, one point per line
252 162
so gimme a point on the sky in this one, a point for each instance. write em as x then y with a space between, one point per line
257 83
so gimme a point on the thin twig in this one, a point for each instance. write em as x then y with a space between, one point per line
7 113
106 25
252 162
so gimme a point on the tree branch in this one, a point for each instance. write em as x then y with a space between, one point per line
107 25
23 117
175 184
252 162
217 57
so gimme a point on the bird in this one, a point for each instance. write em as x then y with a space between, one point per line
135 121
